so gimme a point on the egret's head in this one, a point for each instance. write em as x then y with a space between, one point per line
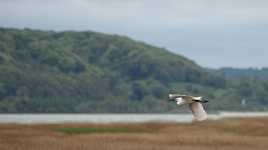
171 97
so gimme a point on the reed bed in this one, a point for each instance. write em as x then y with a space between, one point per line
226 134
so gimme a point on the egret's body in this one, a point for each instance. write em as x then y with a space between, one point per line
194 103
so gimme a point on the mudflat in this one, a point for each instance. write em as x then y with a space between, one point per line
225 134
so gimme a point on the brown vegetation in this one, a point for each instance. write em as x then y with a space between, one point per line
226 134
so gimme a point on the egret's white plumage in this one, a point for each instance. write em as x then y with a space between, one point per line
180 101
198 111
194 103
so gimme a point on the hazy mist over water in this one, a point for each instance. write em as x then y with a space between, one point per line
214 33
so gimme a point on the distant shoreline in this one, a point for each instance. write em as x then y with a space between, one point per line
118 118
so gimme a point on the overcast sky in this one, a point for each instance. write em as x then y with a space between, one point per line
214 33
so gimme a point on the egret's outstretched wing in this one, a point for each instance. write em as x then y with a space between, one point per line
180 101
198 111
186 97
174 96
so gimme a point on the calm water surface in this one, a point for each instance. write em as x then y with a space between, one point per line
111 118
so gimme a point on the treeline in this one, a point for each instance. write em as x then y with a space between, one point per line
46 71
236 73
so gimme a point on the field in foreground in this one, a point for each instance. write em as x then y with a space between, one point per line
226 134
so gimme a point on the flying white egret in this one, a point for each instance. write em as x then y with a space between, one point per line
194 103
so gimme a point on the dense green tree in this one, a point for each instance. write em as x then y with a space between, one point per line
46 71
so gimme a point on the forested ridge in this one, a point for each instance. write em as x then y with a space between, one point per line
47 71
235 73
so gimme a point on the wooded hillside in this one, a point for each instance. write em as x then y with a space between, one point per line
46 71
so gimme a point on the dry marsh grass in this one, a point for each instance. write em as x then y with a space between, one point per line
227 134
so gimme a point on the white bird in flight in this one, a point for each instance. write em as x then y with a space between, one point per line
194 103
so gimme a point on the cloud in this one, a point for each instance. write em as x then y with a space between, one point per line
142 14
204 30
